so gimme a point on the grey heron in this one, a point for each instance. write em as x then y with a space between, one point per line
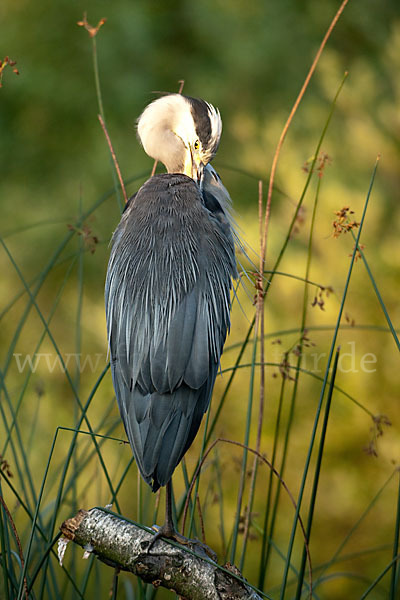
168 289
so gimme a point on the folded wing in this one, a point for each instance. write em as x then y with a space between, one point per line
167 304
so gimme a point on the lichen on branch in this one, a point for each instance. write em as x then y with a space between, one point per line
124 545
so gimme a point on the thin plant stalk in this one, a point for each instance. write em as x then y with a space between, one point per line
395 567
335 556
243 470
103 119
267 463
77 379
3 546
282 138
324 384
32 294
308 180
278 260
266 553
378 295
196 490
290 118
35 518
50 544
220 493
317 474
58 499
14 411
259 329
114 157
367 592
295 368
268 529
52 339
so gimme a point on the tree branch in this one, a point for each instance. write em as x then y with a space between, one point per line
123 545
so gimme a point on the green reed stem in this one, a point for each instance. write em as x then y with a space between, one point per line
324 384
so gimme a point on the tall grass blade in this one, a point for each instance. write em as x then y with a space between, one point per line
269 524
265 554
316 476
243 469
65 468
336 555
379 296
395 567
316 420
4 549
373 585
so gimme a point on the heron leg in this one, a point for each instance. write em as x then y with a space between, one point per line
169 525
168 529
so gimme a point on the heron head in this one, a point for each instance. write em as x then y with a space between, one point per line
182 132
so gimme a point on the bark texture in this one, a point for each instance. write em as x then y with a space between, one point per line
123 545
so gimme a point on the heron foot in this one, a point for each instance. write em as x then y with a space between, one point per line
166 531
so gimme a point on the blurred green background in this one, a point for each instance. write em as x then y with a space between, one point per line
249 59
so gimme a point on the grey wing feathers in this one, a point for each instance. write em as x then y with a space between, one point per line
167 305
213 186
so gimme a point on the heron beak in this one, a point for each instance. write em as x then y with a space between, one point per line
197 170
193 167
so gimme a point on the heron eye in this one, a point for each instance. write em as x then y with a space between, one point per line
196 145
